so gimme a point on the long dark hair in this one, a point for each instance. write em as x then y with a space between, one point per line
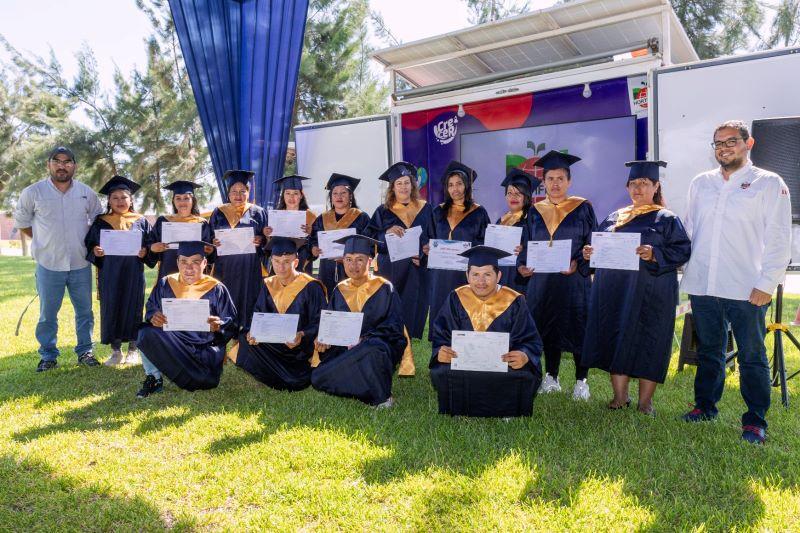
352 197
303 203
108 202
195 209
658 198
525 190
448 201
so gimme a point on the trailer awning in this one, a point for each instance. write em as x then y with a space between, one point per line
558 36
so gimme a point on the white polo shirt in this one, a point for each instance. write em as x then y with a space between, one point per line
59 222
741 232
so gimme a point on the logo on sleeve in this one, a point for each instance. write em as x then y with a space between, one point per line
745 185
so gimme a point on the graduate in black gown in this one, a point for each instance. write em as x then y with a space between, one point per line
519 186
292 198
459 218
184 205
632 313
559 301
363 371
190 359
120 279
284 366
241 273
485 305
344 213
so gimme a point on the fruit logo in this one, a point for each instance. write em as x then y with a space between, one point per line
640 97
527 164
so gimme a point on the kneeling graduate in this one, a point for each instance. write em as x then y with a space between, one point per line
483 305
363 371
284 366
190 359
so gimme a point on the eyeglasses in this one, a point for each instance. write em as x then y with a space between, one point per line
62 162
727 143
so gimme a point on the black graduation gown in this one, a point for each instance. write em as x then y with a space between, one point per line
241 273
276 365
331 272
167 260
190 359
474 393
559 303
411 282
511 277
120 284
471 228
632 313
364 371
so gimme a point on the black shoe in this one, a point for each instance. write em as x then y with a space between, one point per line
754 434
698 415
44 366
150 385
87 359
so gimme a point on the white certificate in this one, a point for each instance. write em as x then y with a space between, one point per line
547 256
274 327
443 255
615 250
175 232
235 241
340 328
330 249
186 315
287 223
405 246
120 242
505 238
479 350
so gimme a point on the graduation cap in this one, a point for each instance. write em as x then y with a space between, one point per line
483 255
119 183
284 245
398 170
644 169
182 187
237 176
555 159
61 150
340 179
190 248
456 167
518 176
358 244
293 182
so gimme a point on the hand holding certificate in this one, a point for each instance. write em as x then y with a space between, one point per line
235 241
186 315
479 350
120 242
615 250
405 246
505 238
274 327
175 232
444 255
330 249
287 223
549 256
340 328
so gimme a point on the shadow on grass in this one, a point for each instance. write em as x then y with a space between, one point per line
686 476
35 498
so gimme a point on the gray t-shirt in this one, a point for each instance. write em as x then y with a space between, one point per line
59 221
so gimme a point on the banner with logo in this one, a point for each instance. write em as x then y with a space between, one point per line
433 137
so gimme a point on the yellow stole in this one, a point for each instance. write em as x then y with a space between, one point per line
356 296
329 221
407 213
234 214
310 217
554 214
456 215
190 218
483 312
121 222
283 296
626 214
509 219
195 291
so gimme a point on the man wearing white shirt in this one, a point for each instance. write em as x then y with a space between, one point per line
739 219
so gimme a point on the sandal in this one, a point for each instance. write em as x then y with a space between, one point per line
622 406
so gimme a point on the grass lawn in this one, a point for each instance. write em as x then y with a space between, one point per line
79 452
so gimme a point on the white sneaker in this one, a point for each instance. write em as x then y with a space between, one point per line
115 359
133 358
549 384
388 404
581 390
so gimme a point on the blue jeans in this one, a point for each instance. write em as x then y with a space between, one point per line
50 285
149 368
711 316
